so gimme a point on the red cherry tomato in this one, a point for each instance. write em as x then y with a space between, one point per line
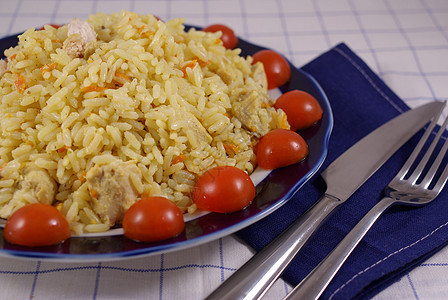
277 69
153 219
280 148
223 189
228 37
35 225
302 109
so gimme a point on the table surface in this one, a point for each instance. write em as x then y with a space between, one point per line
405 42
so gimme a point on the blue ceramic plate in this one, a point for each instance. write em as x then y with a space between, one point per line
272 192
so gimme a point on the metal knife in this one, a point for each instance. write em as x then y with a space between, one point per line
343 177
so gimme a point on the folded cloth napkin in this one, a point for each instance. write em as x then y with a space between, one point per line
403 237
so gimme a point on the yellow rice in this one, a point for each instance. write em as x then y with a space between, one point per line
61 126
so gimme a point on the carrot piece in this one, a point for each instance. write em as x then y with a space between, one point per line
144 31
92 88
114 84
123 76
63 149
140 29
20 83
190 65
83 177
47 68
204 63
231 148
94 194
178 159
265 105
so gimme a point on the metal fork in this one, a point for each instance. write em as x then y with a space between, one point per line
413 185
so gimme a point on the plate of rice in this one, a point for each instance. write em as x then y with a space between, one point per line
130 106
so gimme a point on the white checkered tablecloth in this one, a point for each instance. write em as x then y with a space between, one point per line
404 41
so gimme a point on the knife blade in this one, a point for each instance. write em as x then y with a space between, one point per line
343 177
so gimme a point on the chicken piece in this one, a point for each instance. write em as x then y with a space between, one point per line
37 184
259 75
225 76
195 131
247 109
81 39
111 189
84 29
3 66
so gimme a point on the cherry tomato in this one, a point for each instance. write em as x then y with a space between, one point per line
280 148
223 189
302 109
153 219
228 37
35 225
277 69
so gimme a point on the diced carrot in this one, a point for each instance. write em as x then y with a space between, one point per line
20 83
123 76
114 84
94 194
190 65
144 30
140 29
63 149
204 63
83 177
231 149
218 41
178 159
13 56
265 105
92 88
47 68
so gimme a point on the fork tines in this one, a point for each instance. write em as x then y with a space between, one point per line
423 175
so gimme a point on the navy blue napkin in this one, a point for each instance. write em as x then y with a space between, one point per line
403 237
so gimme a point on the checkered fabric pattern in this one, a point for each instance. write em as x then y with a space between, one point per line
405 42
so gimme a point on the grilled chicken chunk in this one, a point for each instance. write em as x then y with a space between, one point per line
247 109
195 131
81 39
36 183
111 189
259 75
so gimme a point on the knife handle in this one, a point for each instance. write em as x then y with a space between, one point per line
257 275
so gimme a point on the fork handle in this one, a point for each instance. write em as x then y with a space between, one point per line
257 275
315 283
